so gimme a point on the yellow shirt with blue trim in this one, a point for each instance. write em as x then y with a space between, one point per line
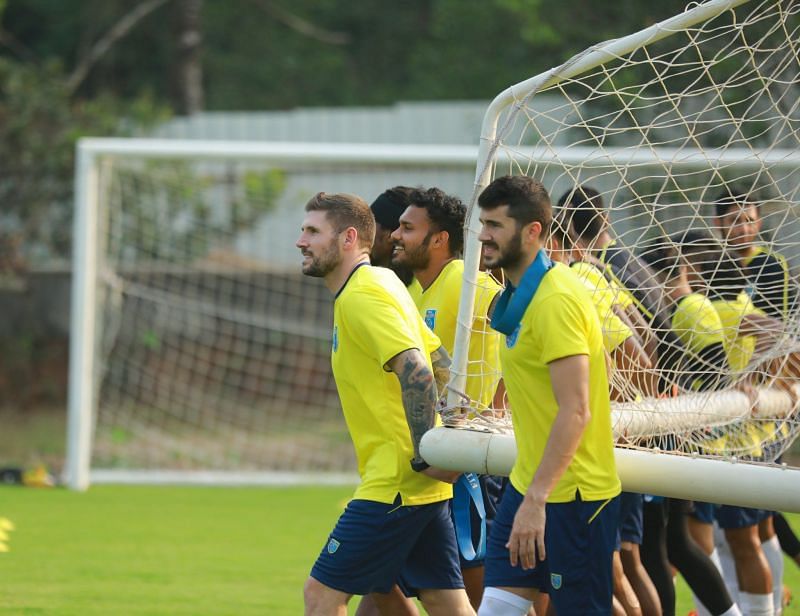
559 322
374 319
438 306
731 313
615 331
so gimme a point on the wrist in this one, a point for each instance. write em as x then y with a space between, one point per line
418 465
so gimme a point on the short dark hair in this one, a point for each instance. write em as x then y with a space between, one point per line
724 277
390 205
692 239
661 255
559 228
447 213
734 196
587 211
526 198
344 211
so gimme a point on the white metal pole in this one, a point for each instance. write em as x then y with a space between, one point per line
677 476
81 398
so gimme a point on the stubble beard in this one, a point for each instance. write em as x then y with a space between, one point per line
323 264
511 255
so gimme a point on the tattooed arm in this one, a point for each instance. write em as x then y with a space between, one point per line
419 398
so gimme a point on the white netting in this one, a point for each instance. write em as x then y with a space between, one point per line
213 350
660 132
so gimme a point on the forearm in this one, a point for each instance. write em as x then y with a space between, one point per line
418 392
440 361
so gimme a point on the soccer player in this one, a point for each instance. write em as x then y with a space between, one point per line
770 285
385 363
697 325
773 290
745 329
429 241
590 224
556 525
387 208
633 588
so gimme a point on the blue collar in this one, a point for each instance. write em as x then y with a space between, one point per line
514 301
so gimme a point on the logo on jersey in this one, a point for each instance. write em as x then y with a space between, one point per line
335 338
430 318
512 339
333 545
555 580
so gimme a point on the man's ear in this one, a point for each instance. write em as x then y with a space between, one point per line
442 238
349 238
533 233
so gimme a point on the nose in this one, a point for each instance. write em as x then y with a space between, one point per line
483 236
301 241
395 235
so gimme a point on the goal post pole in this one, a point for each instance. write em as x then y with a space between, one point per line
647 472
83 322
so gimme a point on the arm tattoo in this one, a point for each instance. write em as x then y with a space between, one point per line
441 368
419 394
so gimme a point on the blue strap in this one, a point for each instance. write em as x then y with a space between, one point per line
466 493
513 302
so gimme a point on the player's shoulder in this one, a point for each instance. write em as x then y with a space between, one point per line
369 282
562 285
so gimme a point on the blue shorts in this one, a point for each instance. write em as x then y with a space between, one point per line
631 517
373 542
579 539
730 517
703 512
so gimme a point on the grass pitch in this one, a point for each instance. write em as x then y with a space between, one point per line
167 550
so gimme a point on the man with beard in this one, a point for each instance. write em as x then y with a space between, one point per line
429 241
386 364
556 525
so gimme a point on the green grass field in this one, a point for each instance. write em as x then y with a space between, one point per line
167 550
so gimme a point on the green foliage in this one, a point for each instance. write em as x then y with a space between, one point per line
40 124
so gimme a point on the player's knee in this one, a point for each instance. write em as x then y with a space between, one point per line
316 597
498 602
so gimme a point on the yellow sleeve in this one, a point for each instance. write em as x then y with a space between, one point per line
615 331
697 323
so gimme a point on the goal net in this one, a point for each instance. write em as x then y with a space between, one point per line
664 140
200 352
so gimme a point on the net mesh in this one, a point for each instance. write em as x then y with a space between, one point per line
676 173
213 351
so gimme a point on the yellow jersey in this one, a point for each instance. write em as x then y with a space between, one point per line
731 313
374 319
696 322
604 298
438 306
559 322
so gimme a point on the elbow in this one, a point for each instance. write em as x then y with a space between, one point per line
583 415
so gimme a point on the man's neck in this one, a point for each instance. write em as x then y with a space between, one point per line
336 279
747 252
426 276
516 272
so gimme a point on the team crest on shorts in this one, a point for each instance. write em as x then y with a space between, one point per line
555 580
335 338
430 318
333 545
512 339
